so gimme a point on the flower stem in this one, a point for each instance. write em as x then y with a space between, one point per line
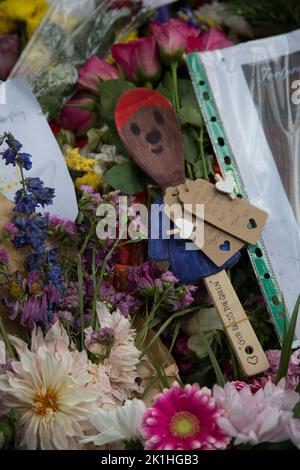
174 66
165 326
81 300
22 178
6 340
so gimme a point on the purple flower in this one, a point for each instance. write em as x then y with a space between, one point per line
123 301
24 159
65 225
168 276
184 298
293 373
10 154
3 256
100 341
11 228
143 277
25 203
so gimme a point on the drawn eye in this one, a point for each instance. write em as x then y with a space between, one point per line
135 128
159 118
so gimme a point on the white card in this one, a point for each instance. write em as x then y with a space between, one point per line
152 4
21 115
253 86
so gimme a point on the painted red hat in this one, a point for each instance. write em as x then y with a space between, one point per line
132 100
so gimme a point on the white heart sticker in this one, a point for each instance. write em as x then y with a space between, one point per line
225 186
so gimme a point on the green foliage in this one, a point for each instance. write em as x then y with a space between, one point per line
110 92
268 16
127 177
190 148
287 343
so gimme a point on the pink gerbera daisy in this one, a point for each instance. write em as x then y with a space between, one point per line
184 419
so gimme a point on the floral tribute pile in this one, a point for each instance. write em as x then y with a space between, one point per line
100 346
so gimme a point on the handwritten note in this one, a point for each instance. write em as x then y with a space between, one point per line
241 335
236 217
21 115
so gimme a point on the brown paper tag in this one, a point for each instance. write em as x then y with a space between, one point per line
215 240
241 335
234 216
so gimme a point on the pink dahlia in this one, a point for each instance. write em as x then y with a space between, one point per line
184 419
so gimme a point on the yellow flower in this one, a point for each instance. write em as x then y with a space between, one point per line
77 162
212 23
15 289
89 179
14 12
35 288
128 38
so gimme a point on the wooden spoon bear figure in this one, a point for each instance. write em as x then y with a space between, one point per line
149 130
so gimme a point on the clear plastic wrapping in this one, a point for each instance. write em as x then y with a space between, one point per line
71 32
256 86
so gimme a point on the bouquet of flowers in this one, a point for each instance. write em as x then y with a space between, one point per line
100 346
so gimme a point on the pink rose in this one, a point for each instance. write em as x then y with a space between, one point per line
9 53
77 119
139 59
93 71
209 40
172 38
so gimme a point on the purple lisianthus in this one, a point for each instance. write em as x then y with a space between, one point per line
59 223
184 298
123 301
143 277
168 276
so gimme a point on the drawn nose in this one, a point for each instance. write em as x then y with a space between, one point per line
153 137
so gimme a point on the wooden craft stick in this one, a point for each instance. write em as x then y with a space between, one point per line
241 335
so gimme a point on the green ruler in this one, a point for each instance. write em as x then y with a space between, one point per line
258 254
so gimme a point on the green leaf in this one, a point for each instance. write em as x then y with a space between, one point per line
219 374
287 342
95 137
110 92
190 115
190 148
296 410
198 168
164 91
198 346
187 93
127 177
154 191
205 321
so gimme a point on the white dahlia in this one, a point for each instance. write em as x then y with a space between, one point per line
51 388
124 356
120 363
